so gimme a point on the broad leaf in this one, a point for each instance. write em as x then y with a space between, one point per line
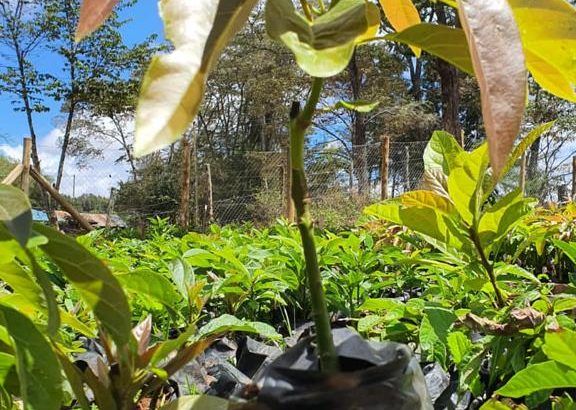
358 106
494 404
92 14
459 346
97 285
444 42
500 218
148 284
441 152
402 14
547 31
441 320
541 376
427 199
7 362
173 86
500 69
37 365
16 213
466 180
323 47
197 403
561 347
569 249
228 323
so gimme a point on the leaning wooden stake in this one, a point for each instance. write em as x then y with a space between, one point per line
384 167
111 204
25 179
60 199
13 175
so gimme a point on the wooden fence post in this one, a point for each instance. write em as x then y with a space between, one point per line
184 209
110 211
210 195
25 176
522 181
384 167
407 169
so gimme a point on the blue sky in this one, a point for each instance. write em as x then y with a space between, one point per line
144 20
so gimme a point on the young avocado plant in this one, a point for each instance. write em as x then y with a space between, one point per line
498 40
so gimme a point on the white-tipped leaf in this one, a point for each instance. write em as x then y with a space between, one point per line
500 69
173 87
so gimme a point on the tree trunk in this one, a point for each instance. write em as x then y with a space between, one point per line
358 130
450 87
64 148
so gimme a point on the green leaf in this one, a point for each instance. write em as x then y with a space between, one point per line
228 323
465 182
16 213
7 362
147 283
183 275
569 249
401 14
37 365
561 347
197 403
563 304
459 346
500 218
547 31
97 285
500 69
427 199
444 42
174 84
541 376
494 404
441 320
514 270
358 106
441 152
323 47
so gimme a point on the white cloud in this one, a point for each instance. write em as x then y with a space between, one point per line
97 178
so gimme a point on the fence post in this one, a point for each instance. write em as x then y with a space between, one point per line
407 169
210 195
184 209
288 203
384 167
523 174
25 176
110 210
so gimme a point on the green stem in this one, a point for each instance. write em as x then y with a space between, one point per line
299 123
500 303
307 10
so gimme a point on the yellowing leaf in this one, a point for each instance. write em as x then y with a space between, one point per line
547 31
323 47
92 14
402 14
173 87
500 69
444 42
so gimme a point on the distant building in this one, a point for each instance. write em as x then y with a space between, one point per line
97 221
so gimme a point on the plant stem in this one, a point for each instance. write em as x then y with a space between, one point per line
299 123
306 9
500 303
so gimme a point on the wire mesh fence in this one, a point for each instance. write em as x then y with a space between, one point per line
255 186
